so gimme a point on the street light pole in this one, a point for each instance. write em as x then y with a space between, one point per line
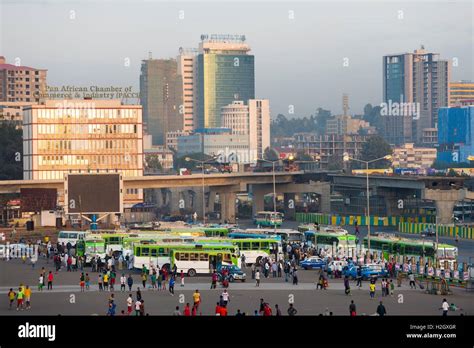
368 206
188 159
347 158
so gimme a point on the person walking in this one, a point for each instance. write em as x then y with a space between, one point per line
100 282
129 282
372 290
105 279
137 307
253 269
123 281
187 310
171 285
129 304
411 278
20 295
277 311
40 282
347 286
144 278
359 277
214 278
50 280
381 311
11 297
257 278
82 282
292 310
181 276
225 297
197 299
445 307
88 281
139 294
352 309
295 276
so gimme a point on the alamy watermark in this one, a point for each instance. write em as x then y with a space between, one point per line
400 109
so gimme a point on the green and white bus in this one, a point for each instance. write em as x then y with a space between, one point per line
268 219
94 246
390 245
159 254
254 249
203 261
335 240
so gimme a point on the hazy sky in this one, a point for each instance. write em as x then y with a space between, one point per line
298 61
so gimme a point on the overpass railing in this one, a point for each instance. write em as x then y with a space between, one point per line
351 220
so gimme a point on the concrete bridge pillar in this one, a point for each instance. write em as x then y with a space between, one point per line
290 205
444 201
228 210
258 197
176 202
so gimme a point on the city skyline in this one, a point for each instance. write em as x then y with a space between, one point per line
307 52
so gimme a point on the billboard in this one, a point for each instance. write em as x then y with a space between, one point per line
38 199
93 193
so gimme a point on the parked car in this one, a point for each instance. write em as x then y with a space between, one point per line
234 273
368 271
313 262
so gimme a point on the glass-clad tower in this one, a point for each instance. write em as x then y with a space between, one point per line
225 73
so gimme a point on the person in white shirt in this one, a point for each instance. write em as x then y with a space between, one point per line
225 297
445 307
137 308
130 304
123 281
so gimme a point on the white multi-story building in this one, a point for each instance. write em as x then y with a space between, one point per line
252 120
187 69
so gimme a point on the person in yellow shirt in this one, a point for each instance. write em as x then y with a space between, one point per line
106 281
372 290
27 292
197 299
11 297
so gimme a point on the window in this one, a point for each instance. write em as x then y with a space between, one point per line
255 246
194 257
183 256
145 251
203 257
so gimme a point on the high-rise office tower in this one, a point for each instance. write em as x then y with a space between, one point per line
161 98
21 83
415 86
187 69
225 73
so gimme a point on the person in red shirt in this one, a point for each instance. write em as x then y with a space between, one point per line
194 310
218 309
50 280
223 311
267 310
187 311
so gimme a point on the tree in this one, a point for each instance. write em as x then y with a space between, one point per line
11 152
376 147
270 154
152 163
